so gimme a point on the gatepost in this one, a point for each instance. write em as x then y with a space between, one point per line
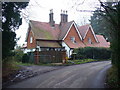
36 55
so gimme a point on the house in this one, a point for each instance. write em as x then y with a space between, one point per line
64 36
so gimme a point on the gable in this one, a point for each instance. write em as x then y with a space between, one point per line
83 29
89 35
29 44
64 29
73 33
75 30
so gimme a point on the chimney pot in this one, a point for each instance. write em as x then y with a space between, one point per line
51 21
61 11
64 16
66 11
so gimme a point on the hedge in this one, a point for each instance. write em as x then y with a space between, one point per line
92 53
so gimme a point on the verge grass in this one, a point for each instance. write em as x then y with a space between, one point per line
112 78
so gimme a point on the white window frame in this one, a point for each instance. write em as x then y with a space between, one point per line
73 39
89 41
31 39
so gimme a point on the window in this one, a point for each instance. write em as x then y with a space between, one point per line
89 41
73 39
31 39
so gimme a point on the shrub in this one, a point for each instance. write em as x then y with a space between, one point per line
18 55
9 66
92 53
25 58
112 77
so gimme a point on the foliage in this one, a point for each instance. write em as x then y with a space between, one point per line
18 54
112 15
100 25
25 58
80 61
112 78
11 20
9 66
24 64
92 53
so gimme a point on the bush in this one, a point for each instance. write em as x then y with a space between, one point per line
112 78
9 66
18 55
92 53
25 58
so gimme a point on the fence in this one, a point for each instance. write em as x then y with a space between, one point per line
49 56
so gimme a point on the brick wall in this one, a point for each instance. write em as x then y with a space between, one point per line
33 44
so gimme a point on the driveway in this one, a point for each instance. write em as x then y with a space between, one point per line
89 75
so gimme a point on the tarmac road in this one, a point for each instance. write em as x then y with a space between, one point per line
89 75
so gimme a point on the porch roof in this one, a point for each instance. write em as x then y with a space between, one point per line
51 44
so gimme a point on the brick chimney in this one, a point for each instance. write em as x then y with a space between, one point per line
64 16
51 21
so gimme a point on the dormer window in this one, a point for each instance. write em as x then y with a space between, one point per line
73 39
89 41
31 39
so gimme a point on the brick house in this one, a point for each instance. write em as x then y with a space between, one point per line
66 35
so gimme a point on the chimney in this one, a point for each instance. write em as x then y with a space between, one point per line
51 21
64 16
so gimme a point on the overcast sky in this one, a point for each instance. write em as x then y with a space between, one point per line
38 10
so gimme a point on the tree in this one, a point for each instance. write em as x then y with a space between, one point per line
11 20
112 15
100 25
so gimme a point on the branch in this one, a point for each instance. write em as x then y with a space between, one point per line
107 9
107 6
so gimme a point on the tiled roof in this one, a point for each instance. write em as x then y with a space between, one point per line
83 29
102 42
43 30
74 45
64 28
48 44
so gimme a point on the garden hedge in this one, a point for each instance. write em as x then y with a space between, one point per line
92 53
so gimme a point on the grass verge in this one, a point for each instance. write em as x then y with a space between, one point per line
9 67
112 78
69 62
24 64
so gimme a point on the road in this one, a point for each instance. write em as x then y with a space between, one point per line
89 75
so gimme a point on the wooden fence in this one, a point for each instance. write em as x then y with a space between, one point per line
49 56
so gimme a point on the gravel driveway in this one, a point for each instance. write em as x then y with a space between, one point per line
29 71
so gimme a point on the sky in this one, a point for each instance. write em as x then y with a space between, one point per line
38 10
